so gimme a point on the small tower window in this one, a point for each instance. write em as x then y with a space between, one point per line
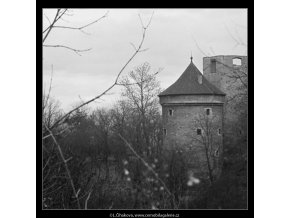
237 61
219 131
208 111
165 131
216 153
213 65
198 131
170 112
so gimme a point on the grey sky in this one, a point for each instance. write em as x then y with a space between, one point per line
170 38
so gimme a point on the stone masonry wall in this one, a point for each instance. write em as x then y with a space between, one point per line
181 132
224 79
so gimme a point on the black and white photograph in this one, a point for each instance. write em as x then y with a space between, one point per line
139 111
144 109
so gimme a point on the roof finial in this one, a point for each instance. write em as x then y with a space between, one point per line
191 57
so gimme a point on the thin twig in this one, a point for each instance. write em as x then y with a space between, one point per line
78 192
82 27
53 184
135 49
47 18
49 90
52 191
58 15
46 175
199 47
148 166
77 51
87 199
48 159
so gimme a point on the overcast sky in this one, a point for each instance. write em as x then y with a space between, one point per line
171 38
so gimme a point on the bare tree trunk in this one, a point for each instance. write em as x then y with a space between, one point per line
209 165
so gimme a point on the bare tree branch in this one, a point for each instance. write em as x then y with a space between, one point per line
211 49
66 166
48 159
52 191
145 49
199 47
237 39
87 199
77 51
231 35
110 87
141 20
58 15
82 27
133 46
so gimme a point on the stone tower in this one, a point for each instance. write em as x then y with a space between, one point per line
192 114
227 73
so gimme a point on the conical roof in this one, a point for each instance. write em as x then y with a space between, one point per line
188 84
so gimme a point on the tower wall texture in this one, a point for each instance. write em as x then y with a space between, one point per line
223 78
189 113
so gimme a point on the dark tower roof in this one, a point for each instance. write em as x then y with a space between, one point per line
192 82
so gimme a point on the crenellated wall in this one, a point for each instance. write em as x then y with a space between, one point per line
222 77
228 77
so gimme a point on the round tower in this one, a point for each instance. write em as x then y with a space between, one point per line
192 114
